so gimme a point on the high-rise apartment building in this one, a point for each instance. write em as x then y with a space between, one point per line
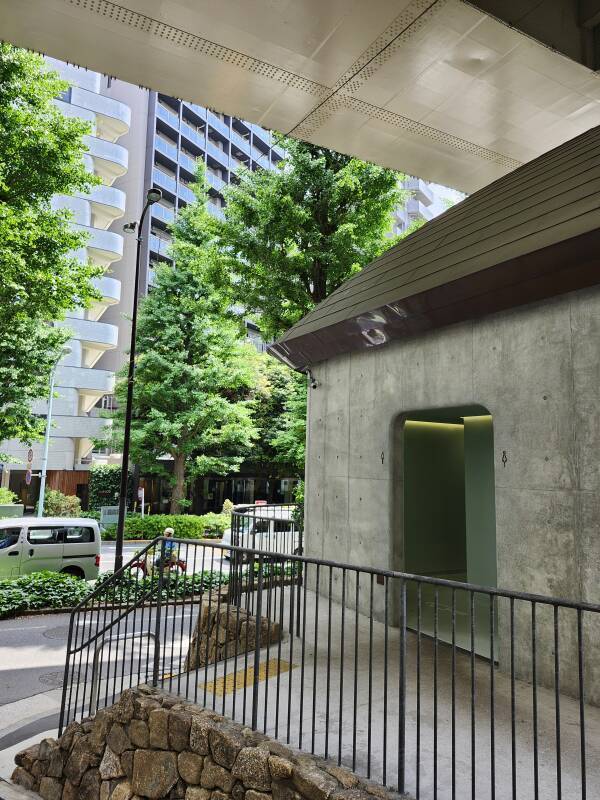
80 381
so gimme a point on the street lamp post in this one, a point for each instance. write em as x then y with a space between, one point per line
40 510
153 196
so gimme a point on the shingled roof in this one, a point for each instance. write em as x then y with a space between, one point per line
530 235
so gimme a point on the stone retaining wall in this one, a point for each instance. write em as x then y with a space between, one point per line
152 745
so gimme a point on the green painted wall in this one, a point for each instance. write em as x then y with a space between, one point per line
434 499
480 510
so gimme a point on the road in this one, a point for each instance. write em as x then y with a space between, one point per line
198 558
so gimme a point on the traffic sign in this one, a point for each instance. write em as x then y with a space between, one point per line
28 477
30 455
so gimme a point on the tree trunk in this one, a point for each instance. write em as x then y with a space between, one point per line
179 486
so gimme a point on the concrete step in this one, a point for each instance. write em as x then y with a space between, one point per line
8 791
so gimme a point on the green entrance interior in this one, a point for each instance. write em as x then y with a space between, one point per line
449 514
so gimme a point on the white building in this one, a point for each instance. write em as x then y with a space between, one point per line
80 383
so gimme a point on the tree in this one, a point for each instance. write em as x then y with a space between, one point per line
194 375
297 233
289 441
41 155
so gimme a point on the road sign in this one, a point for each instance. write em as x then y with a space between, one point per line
28 477
30 455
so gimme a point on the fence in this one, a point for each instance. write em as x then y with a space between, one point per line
436 688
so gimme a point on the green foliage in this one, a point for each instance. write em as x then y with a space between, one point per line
289 441
40 277
105 484
298 514
40 590
57 504
297 233
7 497
228 507
129 588
186 526
194 375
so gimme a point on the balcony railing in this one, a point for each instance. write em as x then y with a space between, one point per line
217 123
186 193
434 687
215 181
240 142
221 156
195 136
164 147
163 213
163 180
158 245
167 116
188 162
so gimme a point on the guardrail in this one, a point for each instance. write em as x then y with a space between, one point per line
434 687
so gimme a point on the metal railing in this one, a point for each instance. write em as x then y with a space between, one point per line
435 687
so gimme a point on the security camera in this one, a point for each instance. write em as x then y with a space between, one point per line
314 383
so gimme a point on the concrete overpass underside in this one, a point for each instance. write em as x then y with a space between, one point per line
459 93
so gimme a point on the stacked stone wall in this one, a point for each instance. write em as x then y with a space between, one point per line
152 745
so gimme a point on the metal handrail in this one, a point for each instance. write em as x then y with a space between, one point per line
95 662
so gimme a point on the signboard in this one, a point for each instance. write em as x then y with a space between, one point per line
109 515
28 477
30 455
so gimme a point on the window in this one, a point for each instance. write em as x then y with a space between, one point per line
9 536
82 535
44 535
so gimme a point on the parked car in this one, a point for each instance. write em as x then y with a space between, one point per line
261 528
59 544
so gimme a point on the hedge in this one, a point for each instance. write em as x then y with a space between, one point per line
186 526
175 586
40 590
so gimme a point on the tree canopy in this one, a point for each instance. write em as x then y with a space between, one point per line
195 376
41 155
296 233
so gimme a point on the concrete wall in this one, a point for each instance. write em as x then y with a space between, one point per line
536 370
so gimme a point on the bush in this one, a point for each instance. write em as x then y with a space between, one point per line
104 486
186 526
91 515
40 590
57 504
228 507
129 588
7 498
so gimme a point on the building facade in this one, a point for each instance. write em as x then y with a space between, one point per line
81 381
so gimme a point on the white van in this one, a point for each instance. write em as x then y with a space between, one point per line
267 528
59 544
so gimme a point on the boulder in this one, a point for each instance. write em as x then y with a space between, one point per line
127 763
51 789
280 768
56 763
110 766
70 791
344 776
313 783
122 791
118 740
80 759
190 766
66 740
27 758
216 777
159 728
139 734
180 723
225 742
199 731
252 768
251 794
154 773
23 778
125 708
100 730
89 788
197 793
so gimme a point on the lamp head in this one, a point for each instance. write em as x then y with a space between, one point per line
153 196
129 227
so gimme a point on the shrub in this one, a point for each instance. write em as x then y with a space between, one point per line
105 484
57 504
174 586
40 590
228 507
186 526
7 498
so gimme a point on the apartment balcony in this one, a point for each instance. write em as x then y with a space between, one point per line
261 133
186 193
165 181
77 76
216 211
103 247
167 116
261 158
167 149
113 118
216 182
191 137
219 155
188 163
421 191
95 337
162 213
199 110
107 204
218 124
239 141
159 246
110 160
110 289
418 210
91 384
67 110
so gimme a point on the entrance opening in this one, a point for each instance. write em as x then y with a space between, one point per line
449 512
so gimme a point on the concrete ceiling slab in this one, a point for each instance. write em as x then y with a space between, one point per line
436 88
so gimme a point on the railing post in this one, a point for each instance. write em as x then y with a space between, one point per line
255 677
66 676
156 666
